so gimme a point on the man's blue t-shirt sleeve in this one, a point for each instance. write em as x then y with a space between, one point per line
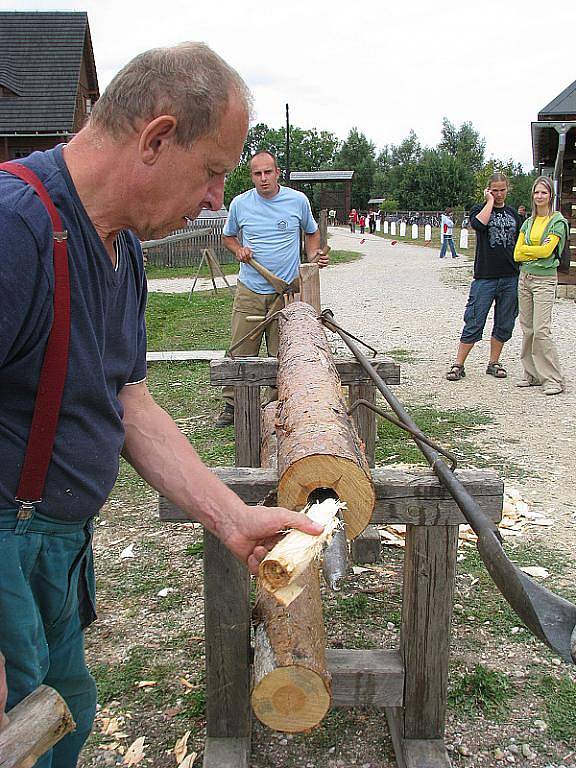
308 224
231 226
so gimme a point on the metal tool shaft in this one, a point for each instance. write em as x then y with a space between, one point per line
548 616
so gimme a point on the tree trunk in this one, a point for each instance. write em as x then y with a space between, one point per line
318 446
291 682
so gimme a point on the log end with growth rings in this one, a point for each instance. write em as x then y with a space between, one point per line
349 482
291 699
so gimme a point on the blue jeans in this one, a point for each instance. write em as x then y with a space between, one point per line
448 241
503 292
46 597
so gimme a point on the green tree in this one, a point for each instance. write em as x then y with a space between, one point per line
464 143
357 154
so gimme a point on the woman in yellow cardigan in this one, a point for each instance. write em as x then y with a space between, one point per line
538 250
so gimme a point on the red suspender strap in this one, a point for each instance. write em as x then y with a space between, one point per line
53 373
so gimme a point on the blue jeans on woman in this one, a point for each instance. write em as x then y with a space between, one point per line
448 241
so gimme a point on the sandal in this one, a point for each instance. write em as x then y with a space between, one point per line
456 372
495 369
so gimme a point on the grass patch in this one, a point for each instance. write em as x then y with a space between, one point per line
481 690
195 549
450 428
343 257
354 607
560 701
173 322
402 355
154 272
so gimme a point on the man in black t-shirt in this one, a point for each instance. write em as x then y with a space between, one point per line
495 278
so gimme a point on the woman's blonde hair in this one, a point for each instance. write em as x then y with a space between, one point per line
547 182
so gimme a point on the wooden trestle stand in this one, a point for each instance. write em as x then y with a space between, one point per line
408 683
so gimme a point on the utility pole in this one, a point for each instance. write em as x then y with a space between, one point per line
287 146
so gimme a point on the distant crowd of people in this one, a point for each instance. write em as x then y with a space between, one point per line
515 271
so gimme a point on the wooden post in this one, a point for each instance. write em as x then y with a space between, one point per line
323 227
310 285
364 418
429 573
227 615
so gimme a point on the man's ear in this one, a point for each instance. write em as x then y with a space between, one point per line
156 136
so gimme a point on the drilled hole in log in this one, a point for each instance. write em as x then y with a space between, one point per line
321 494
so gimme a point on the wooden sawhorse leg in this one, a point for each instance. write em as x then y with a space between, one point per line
227 618
429 574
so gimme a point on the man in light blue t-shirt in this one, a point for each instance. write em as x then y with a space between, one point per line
265 222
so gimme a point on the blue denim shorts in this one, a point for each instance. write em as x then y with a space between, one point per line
503 292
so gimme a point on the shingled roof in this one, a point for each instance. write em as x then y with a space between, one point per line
41 57
564 104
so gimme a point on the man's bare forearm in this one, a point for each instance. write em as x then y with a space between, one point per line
162 455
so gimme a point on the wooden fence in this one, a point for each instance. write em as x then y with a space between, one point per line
186 253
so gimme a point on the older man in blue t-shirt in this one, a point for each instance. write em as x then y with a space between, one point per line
265 222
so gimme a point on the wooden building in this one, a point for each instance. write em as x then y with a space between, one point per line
336 190
554 151
48 80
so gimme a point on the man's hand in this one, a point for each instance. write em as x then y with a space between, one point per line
321 258
243 254
252 534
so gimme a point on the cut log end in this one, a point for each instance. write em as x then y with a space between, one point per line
348 481
291 699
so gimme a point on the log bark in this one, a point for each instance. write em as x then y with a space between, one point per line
318 446
35 725
291 683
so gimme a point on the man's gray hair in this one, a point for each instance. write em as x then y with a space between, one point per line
188 81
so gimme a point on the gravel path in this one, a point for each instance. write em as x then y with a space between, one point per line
404 297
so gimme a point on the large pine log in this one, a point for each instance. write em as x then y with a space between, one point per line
318 446
35 725
291 682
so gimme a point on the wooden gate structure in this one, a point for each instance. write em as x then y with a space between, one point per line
554 151
336 190
408 683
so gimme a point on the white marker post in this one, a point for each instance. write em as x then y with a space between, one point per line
393 228
414 231
402 229
385 226
463 238
427 233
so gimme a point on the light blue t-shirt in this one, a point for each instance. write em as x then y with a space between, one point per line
271 228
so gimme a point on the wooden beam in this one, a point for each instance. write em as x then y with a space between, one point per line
226 753
362 678
364 418
415 753
367 547
414 496
261 371
179 355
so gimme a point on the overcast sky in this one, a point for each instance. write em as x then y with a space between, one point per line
383 67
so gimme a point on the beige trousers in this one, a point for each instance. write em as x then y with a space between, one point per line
536 294
246 303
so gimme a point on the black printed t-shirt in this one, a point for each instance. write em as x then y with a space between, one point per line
495 243
107 342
